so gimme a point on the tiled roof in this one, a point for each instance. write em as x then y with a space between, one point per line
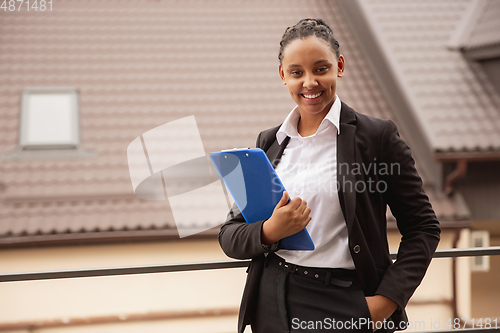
452 99
483 26
138 65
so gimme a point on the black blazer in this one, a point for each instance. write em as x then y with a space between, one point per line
369 151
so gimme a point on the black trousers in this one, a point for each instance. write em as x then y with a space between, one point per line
305 299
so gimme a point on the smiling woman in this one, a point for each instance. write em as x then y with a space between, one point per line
349 278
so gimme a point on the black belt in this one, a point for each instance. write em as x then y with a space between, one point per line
337 276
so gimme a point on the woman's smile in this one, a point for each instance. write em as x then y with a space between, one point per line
312 97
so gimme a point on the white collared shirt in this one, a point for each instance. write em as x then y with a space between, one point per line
308 169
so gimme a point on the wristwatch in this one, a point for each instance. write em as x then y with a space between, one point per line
273 247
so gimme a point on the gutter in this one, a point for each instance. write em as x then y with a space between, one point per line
459 172
462 159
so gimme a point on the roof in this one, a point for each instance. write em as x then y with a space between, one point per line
479 27
138 65
453 104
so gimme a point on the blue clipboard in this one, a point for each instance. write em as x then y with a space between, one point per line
256 189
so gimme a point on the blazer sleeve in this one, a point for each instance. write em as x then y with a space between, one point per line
241 240
415 218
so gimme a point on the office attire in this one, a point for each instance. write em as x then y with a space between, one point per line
308 169
374 169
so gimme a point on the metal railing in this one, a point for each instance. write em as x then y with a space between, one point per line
197 266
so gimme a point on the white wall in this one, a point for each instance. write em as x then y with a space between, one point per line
122 295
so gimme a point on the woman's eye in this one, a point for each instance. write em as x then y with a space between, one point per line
295 73
322 69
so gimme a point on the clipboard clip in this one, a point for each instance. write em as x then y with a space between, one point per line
224 150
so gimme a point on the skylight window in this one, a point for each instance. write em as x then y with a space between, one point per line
49 119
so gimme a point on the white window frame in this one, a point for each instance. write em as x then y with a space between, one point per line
480 238
73 143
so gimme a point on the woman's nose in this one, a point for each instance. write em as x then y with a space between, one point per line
310 82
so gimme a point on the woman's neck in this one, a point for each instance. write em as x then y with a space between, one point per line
309 123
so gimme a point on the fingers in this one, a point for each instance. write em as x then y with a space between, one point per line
303 205
288 218
299 205
296 202
296 210
306 212
302 211
283 201
306 217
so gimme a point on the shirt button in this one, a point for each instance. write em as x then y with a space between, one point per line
304 167
356 248
297 192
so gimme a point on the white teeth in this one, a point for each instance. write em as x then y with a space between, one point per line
312 96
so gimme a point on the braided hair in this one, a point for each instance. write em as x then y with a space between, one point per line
305 28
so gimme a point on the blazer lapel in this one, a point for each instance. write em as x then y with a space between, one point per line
275 151
346 159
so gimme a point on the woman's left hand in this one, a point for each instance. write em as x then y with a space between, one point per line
380 308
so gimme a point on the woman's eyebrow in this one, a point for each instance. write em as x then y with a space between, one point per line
299 66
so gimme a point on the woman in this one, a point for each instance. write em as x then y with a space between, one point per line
334 162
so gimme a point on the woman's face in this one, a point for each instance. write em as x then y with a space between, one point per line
310 69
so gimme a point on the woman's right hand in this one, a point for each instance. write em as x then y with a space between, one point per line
287 219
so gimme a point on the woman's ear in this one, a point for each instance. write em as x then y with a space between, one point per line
340 66
282 74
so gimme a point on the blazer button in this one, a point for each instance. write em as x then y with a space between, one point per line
356 248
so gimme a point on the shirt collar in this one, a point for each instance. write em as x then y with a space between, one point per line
289 126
